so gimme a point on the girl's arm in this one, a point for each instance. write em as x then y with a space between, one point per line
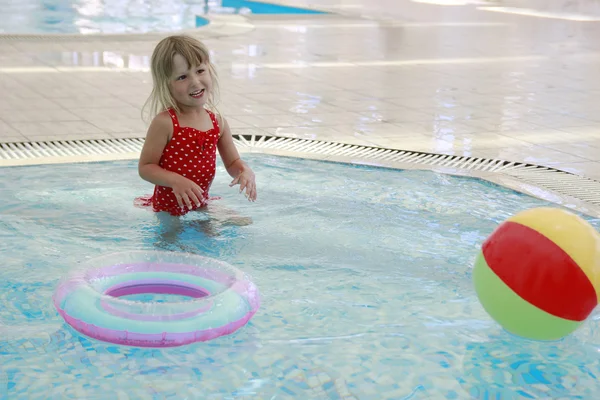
157 137
236 168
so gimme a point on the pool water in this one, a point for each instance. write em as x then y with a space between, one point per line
365 277
123 16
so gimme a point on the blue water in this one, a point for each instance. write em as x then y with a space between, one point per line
246 7
123 16
364 275
256 7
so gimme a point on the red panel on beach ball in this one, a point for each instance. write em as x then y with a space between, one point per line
539 271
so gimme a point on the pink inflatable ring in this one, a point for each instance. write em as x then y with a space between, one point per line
222 299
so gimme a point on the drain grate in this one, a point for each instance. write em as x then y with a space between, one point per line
69 148
560 182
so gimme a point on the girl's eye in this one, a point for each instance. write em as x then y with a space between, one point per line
200 71
180 78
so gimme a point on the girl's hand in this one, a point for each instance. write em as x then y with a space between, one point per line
246 181
235 166
186 191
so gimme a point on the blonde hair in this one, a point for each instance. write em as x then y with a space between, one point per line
161 66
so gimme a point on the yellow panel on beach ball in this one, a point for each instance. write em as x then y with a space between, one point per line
572 234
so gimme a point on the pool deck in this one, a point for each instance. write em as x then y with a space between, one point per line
443 79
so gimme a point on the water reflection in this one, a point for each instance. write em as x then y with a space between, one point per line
103 16
210 232
503 365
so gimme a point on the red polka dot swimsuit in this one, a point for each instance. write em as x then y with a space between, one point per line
191 153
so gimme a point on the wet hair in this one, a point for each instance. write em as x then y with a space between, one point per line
161 67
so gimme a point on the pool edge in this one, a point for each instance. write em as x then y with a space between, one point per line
517 183
550 184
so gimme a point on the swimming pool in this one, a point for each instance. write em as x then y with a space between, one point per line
123 16
364 275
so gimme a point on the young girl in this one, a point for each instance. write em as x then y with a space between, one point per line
179 154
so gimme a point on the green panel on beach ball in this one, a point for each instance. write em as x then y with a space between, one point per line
513 313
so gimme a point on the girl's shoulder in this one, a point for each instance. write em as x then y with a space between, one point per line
162 124
165 116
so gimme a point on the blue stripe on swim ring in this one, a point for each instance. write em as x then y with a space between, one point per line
84 303
223 301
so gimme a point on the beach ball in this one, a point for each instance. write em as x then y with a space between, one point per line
538 273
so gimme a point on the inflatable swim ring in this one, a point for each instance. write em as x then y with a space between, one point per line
222 299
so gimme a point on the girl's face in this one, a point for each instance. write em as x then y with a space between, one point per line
190 84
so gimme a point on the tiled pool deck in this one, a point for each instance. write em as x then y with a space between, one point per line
444 79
